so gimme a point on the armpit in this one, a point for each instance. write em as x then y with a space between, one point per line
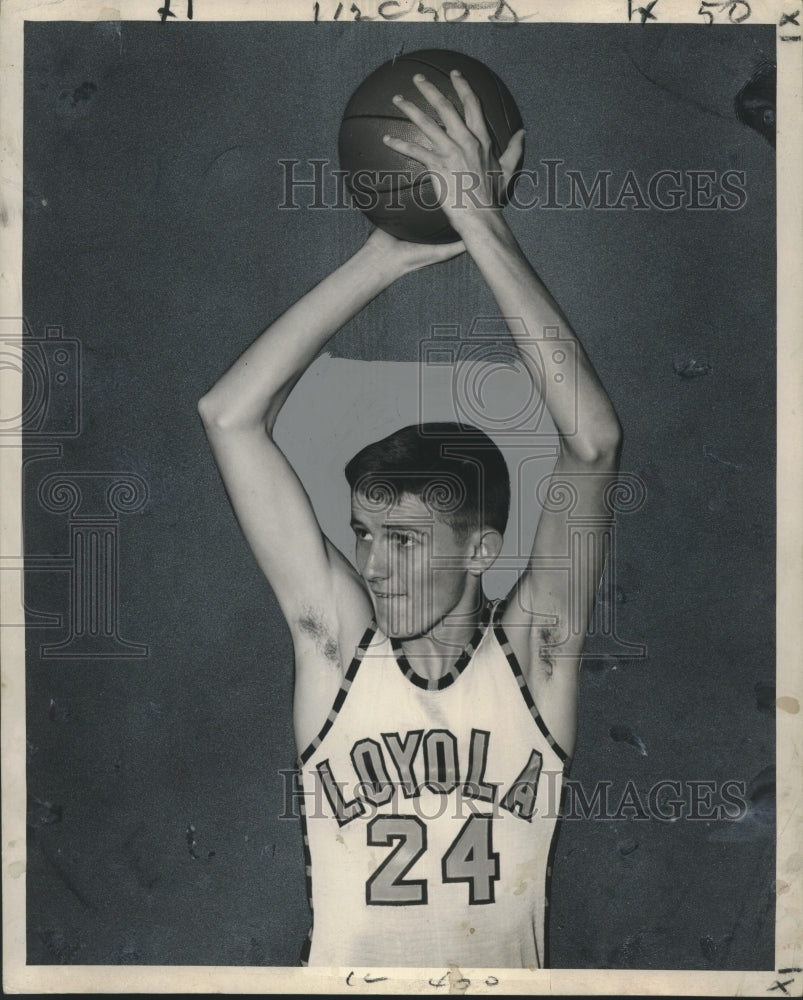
313 624
546 637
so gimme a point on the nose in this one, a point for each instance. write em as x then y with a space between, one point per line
376 563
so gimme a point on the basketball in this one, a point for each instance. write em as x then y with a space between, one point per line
392 189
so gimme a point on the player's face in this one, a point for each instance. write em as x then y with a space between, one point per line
414 564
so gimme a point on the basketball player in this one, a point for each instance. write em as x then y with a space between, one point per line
433 731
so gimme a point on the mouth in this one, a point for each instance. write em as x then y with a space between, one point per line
382 596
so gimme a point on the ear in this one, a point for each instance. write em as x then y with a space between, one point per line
486 545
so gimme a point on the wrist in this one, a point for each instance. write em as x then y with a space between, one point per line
478 226
383 259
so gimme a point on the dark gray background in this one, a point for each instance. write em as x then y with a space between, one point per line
152 236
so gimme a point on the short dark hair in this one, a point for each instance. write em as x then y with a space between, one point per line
455 469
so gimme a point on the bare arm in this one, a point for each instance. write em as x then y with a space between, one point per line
320 594
590 441
589 452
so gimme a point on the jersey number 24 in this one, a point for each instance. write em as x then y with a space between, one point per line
470 859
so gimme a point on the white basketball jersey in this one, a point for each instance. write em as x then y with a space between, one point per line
430 809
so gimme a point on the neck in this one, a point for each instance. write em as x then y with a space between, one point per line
434 653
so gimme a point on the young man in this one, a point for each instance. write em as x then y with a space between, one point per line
432 741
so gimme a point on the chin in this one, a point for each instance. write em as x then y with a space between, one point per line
398 632
401 633
393 633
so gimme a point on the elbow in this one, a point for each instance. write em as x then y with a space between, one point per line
221 418
209 411
216 416
601 449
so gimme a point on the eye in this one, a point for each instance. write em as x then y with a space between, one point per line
360 532
403 539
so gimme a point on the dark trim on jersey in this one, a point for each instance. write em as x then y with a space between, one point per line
550 861
307 945
348 680
507 649
340 697
460 664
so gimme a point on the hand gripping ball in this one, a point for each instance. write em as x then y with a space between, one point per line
393 190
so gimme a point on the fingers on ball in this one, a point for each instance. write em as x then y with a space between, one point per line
475 118
450 116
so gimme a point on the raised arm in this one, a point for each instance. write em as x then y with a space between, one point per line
548 613
320 594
